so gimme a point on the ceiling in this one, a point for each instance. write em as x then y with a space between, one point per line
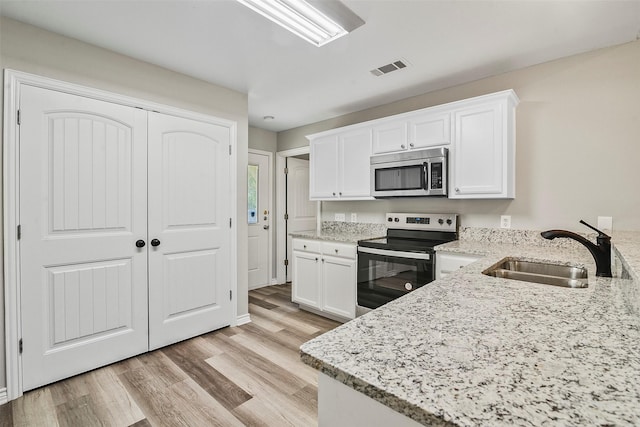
444 42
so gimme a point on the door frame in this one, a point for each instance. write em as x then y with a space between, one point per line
269 155
281 206
13 81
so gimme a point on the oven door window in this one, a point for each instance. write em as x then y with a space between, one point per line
384 278
400 178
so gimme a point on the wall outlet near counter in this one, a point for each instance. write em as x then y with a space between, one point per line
340 217
354 217
505 221
605 223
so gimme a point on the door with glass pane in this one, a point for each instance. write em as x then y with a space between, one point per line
259 218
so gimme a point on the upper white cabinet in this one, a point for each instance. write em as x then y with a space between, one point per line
479 133
412 131
339 166
482 156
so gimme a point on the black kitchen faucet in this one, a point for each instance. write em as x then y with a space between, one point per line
601 251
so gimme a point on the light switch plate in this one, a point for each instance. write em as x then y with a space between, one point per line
354 217
340 217
505 221
605 223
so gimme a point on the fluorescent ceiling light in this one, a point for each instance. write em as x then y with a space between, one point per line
316 21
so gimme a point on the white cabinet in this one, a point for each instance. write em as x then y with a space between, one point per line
482 157
340 167
412 131
324 277
447 262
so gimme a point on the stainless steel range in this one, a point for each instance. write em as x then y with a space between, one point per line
395 265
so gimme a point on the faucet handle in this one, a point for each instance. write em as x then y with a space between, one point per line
600 233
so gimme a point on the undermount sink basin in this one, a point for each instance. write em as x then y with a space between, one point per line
539 272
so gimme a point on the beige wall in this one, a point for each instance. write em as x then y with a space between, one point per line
30 49
578 145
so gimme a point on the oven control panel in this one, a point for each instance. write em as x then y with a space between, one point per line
423 221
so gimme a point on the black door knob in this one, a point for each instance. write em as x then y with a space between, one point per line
140 243
155 242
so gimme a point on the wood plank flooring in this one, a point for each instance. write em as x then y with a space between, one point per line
249 375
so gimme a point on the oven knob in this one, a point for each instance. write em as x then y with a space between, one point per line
396 219
408 286
449 222
390 219
441 221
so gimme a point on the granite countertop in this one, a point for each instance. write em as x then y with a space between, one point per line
474 350
344 232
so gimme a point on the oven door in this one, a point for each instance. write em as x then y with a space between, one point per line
384 275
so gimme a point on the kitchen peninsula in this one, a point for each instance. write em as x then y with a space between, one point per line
474 350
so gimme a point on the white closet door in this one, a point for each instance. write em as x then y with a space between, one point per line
189 212
83 185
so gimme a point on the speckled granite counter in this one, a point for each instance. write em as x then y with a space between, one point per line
474 350
345 232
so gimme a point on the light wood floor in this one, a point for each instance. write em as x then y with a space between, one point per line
248 375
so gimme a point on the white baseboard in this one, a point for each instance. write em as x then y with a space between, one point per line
275 281
4 398
243 319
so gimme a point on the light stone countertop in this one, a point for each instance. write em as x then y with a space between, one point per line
473 350
345 232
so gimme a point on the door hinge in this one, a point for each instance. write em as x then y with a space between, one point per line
286 216
286 262
230 295
19 232
286 171
229 149
18 117
229 222
20 346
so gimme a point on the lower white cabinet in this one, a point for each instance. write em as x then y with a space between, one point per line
447 262
324 277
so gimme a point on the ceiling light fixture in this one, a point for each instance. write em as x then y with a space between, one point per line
316 21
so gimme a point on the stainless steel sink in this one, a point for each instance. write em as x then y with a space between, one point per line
539 272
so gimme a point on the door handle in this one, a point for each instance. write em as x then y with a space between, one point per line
140 243
266 227
155 242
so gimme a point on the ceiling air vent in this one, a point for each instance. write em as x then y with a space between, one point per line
386 69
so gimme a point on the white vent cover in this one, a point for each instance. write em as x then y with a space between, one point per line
386 69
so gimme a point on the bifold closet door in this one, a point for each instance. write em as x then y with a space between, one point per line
83 207
189 230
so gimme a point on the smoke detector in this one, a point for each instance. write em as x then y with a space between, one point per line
388 68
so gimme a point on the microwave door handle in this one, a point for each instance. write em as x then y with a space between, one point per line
425 176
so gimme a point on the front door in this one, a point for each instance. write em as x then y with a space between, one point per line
83 206
189 228
259 219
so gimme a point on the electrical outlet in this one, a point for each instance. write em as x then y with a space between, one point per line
340 217
605 222
505 221
354 217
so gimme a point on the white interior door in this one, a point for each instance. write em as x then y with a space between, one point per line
189 218
83 206
259 219
300 210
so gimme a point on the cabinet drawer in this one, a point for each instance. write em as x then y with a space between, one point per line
306 245
344 250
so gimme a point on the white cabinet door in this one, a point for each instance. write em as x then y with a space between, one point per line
305 281
479 153
355 165
189 215
390 136
447 263
339 286
323 168
83 206
429 130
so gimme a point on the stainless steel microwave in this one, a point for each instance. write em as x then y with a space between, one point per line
410 173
